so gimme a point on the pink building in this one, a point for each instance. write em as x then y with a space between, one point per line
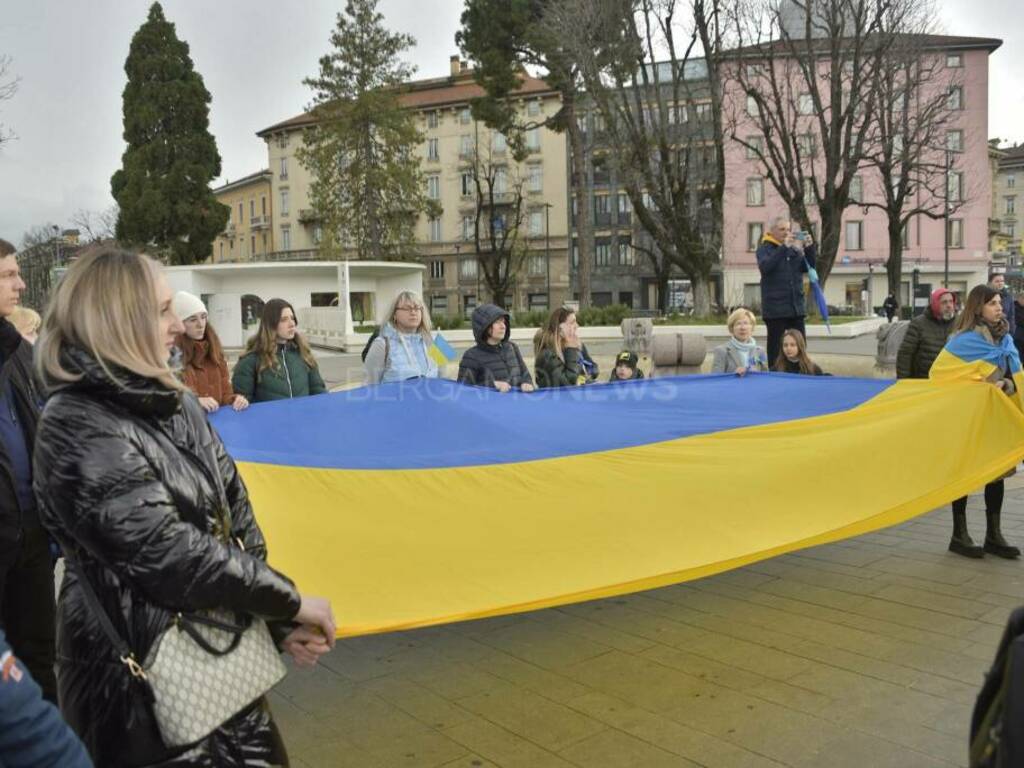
751 203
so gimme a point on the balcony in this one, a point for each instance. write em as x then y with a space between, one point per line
311 254
308 216
257 223
229 229
498 198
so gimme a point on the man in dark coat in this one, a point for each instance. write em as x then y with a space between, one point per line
926 336
997 280
494 361
26 569
890 305
782 261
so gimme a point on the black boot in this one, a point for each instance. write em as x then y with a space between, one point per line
961 543
994 542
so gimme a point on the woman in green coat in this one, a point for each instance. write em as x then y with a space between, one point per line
560 358
277 363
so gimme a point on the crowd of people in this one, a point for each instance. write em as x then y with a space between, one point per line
108 461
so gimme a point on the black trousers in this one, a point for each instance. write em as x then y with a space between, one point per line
776 327
27 608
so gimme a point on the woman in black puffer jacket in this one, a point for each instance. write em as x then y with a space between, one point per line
124 477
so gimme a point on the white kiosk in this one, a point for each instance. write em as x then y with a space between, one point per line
330 297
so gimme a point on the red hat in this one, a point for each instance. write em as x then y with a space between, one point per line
936 297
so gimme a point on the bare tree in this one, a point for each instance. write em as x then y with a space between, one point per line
913 142
8 87
39 234
496 187
96 225
650 70
801 100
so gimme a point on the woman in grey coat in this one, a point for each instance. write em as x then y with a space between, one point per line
740 353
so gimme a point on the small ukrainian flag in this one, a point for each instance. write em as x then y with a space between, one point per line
441 352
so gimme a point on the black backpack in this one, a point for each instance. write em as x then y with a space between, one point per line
997 725
373 338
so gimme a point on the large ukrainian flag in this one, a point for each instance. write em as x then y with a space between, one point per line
969 356
427 502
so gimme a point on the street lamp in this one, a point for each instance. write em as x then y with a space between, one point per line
547 253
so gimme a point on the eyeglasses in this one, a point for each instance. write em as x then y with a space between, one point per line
411 309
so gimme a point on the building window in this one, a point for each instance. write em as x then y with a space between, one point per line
439 305
755 231
602 254
537 301
437 270
222 251
252 245
252 208
955 140
1011 204
602 204
535 178
263 204
854 235
468 187
432 120
318 234
627 257
1011 181
468 227
575 256
286 239
806 145
752 109
435 229
956 233
624 205
703 112
434 187
467 268
433 150
465 145
956 186
598 122
954 60
626 298
468 304
857 189
905 236
805 104
755 191
755 147
955 97
465 116
537 265
284 202
536 224
241 217
284 168
533 108
809 198
498 143
500 184
533 139
1011 230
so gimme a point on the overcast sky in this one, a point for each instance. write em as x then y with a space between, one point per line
253 55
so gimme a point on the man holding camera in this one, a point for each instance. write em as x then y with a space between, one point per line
782 258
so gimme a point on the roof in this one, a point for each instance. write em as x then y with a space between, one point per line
263 175
1011 156
433 93
931 42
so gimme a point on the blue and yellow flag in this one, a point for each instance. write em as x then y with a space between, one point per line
969 356
525 501
441 352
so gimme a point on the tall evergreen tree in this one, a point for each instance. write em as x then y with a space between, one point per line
163 187
367 186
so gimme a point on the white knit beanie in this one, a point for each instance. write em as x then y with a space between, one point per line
185 305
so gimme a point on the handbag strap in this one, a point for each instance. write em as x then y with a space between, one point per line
121 647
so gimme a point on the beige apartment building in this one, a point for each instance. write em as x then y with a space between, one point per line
1008 201
249 233
452 143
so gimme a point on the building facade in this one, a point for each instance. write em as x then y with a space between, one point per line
452 142
1007 202
751 202
249 233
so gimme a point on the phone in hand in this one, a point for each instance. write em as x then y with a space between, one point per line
800 235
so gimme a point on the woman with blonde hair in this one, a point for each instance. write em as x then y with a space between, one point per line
560 358
27 321
401 350
203 366
278 363
153 519
740 353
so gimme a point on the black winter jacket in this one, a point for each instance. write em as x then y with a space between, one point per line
16 355
782 278
922 343
486 363
124 481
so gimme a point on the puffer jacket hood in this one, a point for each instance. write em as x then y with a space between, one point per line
484 317
125 482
